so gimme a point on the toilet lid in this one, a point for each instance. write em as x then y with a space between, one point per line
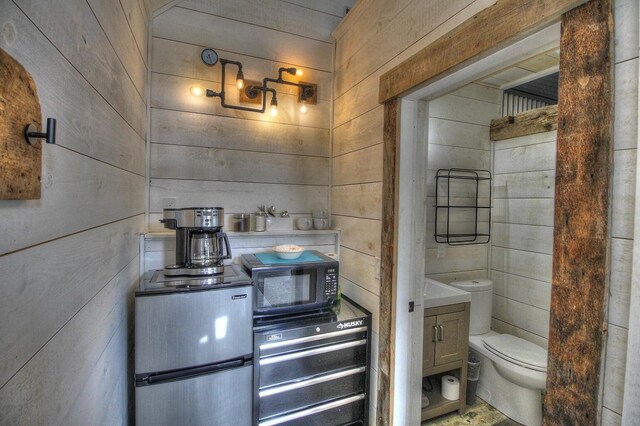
518 351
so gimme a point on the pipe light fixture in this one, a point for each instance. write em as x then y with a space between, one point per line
306 91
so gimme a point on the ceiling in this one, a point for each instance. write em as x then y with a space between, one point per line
535 78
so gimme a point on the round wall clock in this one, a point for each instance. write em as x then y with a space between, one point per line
209 56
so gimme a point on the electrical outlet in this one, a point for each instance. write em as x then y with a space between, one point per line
441 251
168 203
376 273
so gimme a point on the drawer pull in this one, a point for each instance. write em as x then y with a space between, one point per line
303 384
312 338
312 411
311 352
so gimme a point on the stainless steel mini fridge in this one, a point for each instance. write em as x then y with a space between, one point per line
193 350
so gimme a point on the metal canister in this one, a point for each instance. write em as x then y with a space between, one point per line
261 222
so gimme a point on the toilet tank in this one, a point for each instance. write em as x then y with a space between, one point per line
481 303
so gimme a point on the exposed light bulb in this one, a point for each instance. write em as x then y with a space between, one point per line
196 91
274 110
240 79
299 72
303 107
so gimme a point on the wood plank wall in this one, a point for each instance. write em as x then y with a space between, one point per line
364 52
203 154
69 261
458 137
625 142
522 245
374 37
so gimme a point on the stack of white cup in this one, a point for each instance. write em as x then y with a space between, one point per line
320 219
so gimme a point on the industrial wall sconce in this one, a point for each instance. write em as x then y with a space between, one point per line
306 91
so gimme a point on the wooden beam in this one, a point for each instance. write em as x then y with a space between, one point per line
490 30
388 267
581 249
537 120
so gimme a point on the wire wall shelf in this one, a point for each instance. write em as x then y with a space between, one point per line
463 206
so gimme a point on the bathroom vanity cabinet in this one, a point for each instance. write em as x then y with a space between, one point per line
445 349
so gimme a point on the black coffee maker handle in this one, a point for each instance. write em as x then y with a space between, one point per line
223 237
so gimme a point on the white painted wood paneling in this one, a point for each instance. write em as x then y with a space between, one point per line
27 397
115 26
83 42
525 185
614 369
288 18
247 39
361 269
610 418
185 162
528 158
459 134
366 299
238 197
39 301
521 315
358 234
625 121
467 110
86 122
363 166
69 181
521 289
409 25
184 128
523 263
620 282
361 132
457 259
506 328
524 211
72 255
624 183
360 200
538 239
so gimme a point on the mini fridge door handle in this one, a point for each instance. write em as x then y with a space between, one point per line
153 379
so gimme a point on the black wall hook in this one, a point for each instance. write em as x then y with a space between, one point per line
30 135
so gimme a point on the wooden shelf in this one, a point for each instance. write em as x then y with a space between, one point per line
438 405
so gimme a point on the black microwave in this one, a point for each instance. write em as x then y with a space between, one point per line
290 286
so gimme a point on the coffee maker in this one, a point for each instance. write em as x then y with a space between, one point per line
201 246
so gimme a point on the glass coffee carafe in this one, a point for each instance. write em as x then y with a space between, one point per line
201 246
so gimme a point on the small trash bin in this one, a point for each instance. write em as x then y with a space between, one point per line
473 374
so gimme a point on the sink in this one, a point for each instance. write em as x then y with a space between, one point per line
438 294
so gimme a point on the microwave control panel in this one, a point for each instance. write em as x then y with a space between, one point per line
331 282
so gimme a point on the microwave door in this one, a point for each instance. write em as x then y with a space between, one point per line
282 290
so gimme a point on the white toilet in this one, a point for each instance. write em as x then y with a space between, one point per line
513 372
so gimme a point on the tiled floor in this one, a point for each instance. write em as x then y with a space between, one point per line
479 414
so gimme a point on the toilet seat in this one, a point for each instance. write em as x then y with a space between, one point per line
518 351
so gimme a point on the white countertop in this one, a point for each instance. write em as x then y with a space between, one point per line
438 294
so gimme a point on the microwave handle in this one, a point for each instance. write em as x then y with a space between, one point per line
223 237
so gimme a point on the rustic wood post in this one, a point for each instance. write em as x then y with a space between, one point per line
581 240
388 264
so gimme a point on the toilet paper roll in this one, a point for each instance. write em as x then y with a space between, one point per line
450 387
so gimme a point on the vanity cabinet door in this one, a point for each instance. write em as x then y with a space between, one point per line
428 343
451 338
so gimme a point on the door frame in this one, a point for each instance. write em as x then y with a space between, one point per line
574 382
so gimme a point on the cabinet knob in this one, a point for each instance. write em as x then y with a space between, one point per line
441 332
434 336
